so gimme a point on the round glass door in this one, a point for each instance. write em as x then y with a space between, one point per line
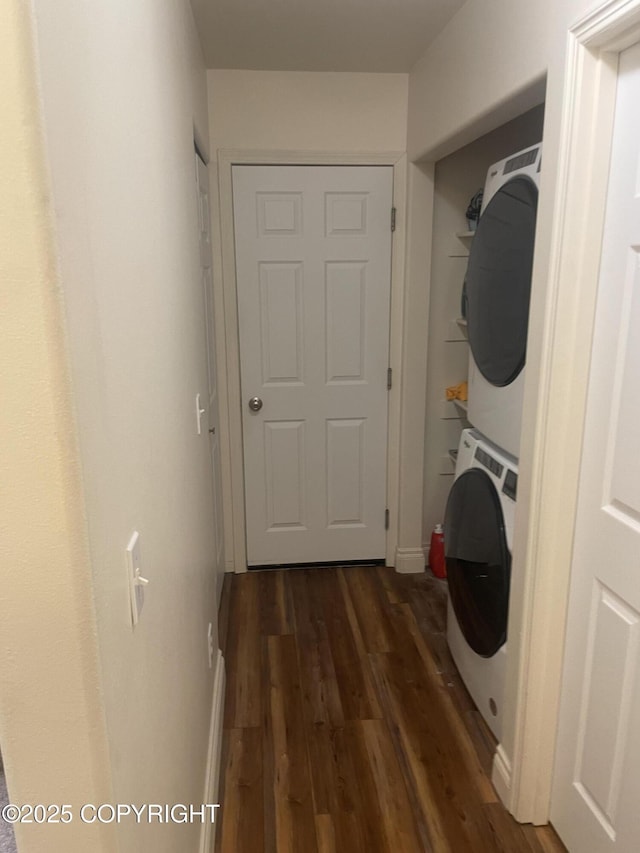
478 561
498 281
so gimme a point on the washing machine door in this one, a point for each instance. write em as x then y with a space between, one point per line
498 281
478 561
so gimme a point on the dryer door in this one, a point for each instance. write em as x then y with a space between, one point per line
498 281
478 561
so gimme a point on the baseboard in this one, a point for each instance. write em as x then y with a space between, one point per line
409 561
212 775
501 775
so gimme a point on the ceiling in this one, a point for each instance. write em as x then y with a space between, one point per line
319 35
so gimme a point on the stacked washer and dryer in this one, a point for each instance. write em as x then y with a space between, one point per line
480 509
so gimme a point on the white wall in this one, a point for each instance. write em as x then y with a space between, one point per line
487 54
486 67
307 110
123 85
52 725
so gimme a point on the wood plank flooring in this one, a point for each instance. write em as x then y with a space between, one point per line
347 728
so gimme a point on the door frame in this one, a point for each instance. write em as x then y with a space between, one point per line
231 404
556 431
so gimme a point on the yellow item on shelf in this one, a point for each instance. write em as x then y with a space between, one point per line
457 392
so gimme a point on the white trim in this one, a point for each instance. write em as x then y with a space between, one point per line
501 774
221 362
230 404
587 122
409 561
212 775
398 251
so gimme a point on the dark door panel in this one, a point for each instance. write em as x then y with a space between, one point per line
478 561
498 281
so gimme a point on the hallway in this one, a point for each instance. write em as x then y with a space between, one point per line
346 725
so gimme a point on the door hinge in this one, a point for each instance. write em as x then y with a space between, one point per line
393 219
386 519
389 378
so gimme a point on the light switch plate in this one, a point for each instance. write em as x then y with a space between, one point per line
200 411
134 571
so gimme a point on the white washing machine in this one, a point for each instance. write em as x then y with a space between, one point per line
497 288
478 536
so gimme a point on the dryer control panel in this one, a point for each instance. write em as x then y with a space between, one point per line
510 486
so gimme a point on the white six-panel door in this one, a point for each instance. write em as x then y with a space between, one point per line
596 793
313 261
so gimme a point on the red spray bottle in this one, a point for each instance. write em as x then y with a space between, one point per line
436 553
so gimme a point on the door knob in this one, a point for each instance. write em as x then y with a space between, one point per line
255 404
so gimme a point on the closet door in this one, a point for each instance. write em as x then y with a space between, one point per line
313 261
597 775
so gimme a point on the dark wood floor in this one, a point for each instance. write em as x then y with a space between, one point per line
347 727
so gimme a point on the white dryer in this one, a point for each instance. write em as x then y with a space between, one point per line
478 536
497 290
